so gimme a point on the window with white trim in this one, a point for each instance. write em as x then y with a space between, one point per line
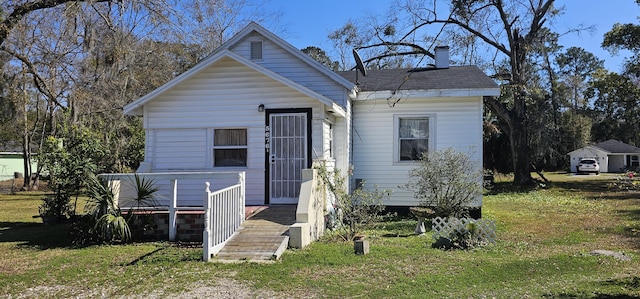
413 137
229 147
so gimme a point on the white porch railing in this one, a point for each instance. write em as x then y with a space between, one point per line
223 215
173 199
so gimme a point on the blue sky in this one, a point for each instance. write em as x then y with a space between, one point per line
307 23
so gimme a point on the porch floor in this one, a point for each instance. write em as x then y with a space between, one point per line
262 237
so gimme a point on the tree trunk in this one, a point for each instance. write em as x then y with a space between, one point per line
26 142
519 121
520 151
26 158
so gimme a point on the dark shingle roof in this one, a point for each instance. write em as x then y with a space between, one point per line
618 147
454 77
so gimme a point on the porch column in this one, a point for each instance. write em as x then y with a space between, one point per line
172 211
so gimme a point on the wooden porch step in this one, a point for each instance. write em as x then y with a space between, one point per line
263 237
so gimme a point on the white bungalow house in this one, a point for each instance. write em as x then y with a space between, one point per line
612 155
259 105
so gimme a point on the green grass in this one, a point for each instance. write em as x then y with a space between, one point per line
544 237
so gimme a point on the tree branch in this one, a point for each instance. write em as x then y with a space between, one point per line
500 109
37 80
20 11
418 48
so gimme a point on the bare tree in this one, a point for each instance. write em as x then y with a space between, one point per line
509 29
87 59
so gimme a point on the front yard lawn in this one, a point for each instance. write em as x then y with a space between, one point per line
544 240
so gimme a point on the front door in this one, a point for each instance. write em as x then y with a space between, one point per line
288 155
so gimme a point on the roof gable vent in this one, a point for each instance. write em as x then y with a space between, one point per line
256 50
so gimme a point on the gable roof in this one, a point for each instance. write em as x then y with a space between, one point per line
255 27
591 149
134 108
617 147
452 78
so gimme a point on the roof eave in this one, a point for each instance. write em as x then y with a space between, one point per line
591 147
428 93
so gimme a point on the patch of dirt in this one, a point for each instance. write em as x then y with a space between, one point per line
15 185
225 288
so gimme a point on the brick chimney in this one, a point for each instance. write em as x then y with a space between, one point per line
442 57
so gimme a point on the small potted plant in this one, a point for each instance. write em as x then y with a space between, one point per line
54 209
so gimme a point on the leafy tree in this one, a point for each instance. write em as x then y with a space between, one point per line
371 44
625 36
576 67
616 107
321 56
69 161
345 39
615 113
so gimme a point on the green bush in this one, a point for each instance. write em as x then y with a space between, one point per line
459 239
446 181
55 208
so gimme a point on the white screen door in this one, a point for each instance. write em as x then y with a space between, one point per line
288 156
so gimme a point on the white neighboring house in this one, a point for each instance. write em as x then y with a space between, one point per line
612 155
259 105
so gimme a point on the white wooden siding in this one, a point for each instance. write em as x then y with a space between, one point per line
180 122
180 149
282 62
458 125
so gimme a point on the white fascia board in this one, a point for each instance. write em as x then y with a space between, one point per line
435 93
338 110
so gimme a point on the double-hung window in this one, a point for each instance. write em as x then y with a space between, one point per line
412 137
229 147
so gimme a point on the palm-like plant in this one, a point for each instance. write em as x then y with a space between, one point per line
145 192
110 224
144 197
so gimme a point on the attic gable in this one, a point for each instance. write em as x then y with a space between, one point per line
262 50
274 52
135 108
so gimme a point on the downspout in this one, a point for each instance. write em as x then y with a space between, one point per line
353 94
